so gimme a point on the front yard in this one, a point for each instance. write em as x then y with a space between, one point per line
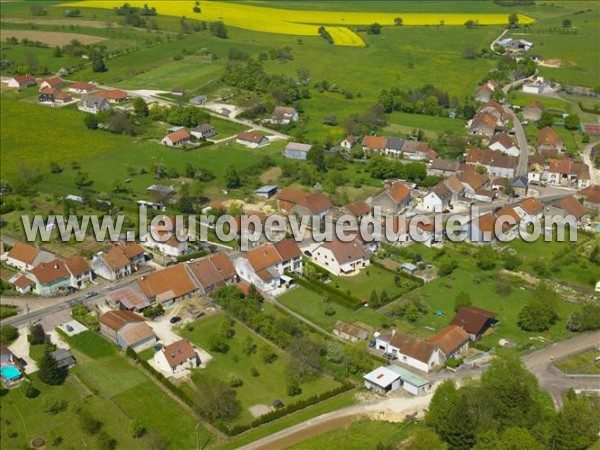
271 382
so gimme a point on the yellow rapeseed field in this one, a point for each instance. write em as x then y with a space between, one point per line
299 22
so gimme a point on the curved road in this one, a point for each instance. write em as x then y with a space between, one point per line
587 159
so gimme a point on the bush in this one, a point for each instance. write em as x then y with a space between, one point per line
453 363
254 372
8 335
236 382
294 389
89 424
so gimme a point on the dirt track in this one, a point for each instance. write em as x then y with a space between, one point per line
50 37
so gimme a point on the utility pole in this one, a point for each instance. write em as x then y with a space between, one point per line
28 319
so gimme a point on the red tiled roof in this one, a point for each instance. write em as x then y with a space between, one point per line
174 281
374 142
345 252
113 94
178 136
591 194
472 319
116 319
77 265
46 273
23 282
531 205
398 192
315 202
179 352
548 136
250 137
449 339
23 252
572 206
358 208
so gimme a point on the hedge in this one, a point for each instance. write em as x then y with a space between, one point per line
198 254
335 295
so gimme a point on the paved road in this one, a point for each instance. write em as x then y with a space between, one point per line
62 303
587 159
540 364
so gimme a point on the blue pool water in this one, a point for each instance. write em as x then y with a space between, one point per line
598 227
10 372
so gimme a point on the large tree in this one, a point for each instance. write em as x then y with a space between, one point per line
216 399
539 314
49 372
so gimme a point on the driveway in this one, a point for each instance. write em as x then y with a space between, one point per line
21 350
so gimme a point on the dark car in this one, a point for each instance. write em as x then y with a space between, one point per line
372 343
90 294
390 356
175 319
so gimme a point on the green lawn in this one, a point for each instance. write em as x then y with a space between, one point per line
312 306
359 435
583 363
271 383
405 123
113 378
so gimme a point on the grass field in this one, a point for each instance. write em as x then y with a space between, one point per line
105 384
271 383
583 364
359 435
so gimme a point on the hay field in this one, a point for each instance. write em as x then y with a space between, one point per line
301 22
50 37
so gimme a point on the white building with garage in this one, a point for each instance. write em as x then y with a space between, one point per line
387 379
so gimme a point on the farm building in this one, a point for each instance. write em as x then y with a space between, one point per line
266 191
350 332
22 81
387 379
127 329
295 150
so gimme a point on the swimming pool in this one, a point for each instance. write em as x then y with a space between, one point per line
10 372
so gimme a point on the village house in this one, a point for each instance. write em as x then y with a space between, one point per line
284 115
349 332
374 143
442 168
591 197
452 340
565 172
387 379
294 201
393 146
127 330
50 277
213 272
113 96
120 261
47 95
509 218
167 237
473 183
482 230
414 352
177 138
341 258
529 209
265 266
22 81
496 163
418 150
502 142
178 357
565 207
22 284
358 209
127 298
536 169
496 110
349 142
438 198
93 104
475 321
296 150
483 124
520 185
533 111
51 82
81 88
166 286
25 256
549 139
203 131
80 271
456 187
538 86
391 200
251 140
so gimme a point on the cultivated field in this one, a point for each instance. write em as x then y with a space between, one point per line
49 37
303 22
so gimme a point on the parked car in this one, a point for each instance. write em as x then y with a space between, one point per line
372 343
390 356
175 319
90 294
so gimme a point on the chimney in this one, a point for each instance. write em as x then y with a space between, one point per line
55 266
